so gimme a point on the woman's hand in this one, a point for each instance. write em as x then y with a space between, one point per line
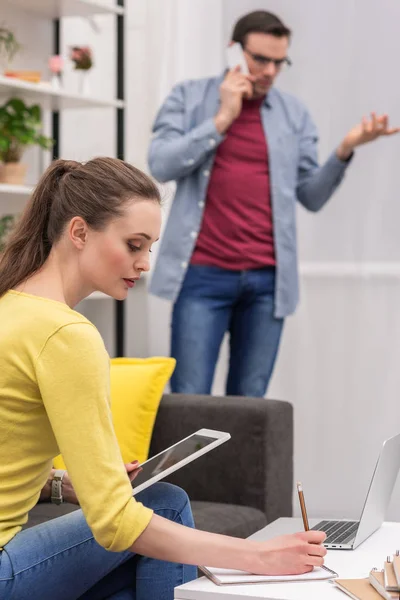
285 555
133 469
291 554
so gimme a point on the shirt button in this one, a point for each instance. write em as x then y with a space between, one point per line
193 234
212 143
201 203
184 264
206 172
190 161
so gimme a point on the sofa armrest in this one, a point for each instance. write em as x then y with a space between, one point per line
254 468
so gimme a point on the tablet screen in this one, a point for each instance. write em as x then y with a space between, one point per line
171 456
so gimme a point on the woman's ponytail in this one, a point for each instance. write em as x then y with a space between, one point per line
29 245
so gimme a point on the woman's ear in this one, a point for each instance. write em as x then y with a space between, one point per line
77 232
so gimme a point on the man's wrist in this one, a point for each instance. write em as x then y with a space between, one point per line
344 152
222 122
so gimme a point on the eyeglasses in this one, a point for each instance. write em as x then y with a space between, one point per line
263 61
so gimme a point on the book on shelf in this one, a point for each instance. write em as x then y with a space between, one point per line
31 76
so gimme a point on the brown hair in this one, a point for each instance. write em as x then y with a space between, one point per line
259 21
96 191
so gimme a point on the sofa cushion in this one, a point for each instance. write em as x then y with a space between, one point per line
228 519
137 385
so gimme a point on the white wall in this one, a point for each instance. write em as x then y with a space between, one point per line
339 354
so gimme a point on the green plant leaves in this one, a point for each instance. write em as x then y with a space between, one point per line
20 126
8 43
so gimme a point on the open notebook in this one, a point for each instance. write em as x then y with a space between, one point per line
231 576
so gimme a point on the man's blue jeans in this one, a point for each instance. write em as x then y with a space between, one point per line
60 560
211 302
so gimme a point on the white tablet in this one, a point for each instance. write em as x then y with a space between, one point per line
178 455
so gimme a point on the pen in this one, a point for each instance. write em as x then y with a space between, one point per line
302 506
305 519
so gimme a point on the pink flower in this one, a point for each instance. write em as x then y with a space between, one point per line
56 63
82 57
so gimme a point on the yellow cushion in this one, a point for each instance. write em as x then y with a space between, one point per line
137 385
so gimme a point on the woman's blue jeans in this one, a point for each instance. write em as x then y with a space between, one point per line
60 560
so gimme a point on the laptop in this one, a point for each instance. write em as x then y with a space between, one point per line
347 535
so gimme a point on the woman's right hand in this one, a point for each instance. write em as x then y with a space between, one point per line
291 554
285 555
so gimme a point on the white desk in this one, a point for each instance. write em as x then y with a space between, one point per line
347 563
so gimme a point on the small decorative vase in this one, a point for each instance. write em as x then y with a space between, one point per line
56 81
84 83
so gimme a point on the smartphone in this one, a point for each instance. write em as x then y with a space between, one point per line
235 56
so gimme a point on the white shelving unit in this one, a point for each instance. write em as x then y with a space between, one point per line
13 197
15 190
56 9
50 98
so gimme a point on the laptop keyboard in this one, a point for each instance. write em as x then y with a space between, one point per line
338 532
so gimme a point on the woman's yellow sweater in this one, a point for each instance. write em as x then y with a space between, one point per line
54 397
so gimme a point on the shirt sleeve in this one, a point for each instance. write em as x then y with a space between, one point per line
175 151
73 378
316 183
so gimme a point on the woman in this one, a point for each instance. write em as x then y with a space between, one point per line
90 227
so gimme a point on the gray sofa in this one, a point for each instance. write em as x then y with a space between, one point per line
240 486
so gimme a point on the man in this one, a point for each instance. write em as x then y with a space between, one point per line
242 153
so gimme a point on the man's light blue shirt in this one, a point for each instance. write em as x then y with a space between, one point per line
183 149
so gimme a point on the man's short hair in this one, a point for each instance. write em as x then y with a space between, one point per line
259 21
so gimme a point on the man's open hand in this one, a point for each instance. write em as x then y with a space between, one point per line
363 133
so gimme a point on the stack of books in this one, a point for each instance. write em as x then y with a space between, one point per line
31 76
384 583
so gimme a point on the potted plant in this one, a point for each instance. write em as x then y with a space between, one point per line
20 126
8 46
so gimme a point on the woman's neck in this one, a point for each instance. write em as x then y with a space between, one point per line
55 283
